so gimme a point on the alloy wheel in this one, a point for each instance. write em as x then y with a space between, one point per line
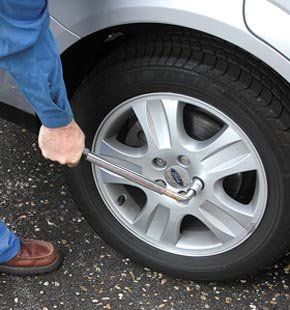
172 138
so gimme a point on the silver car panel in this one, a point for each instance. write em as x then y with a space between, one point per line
223 18
73 19
64 36
10 94
283 4
271 24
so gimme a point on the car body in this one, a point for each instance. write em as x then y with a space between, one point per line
73 21
202 55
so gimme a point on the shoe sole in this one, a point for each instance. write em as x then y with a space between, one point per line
31 271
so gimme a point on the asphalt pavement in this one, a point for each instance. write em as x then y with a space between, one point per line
36 203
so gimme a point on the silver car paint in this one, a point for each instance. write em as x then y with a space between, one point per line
74 19
223 18
64 37
282 4
275 32
9 93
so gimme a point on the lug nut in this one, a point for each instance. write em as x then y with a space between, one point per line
161 183
159 162
121 200
183 160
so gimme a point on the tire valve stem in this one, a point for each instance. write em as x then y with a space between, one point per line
121 200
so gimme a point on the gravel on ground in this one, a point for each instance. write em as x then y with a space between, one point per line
35 202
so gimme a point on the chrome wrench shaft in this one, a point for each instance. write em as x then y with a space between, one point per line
136 177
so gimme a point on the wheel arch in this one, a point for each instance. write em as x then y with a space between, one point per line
225 19
95 46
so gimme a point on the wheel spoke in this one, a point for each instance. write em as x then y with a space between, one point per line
171 231
109 177
159 222
159 120
146 215
174 113
121 154
242 213
238 164
226 154
224 222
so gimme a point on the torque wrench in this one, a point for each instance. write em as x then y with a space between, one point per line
196 185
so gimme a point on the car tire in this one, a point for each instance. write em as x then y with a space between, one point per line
230 80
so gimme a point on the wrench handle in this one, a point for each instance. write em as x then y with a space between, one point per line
135 177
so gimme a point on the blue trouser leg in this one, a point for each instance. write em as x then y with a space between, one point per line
9 244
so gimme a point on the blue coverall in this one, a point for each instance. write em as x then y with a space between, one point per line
28 52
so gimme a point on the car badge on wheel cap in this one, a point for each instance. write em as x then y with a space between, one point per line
177 177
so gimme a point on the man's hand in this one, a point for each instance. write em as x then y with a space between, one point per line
64 145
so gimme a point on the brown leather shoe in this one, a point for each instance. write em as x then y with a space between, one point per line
35 257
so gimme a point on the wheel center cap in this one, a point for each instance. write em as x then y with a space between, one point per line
177 177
